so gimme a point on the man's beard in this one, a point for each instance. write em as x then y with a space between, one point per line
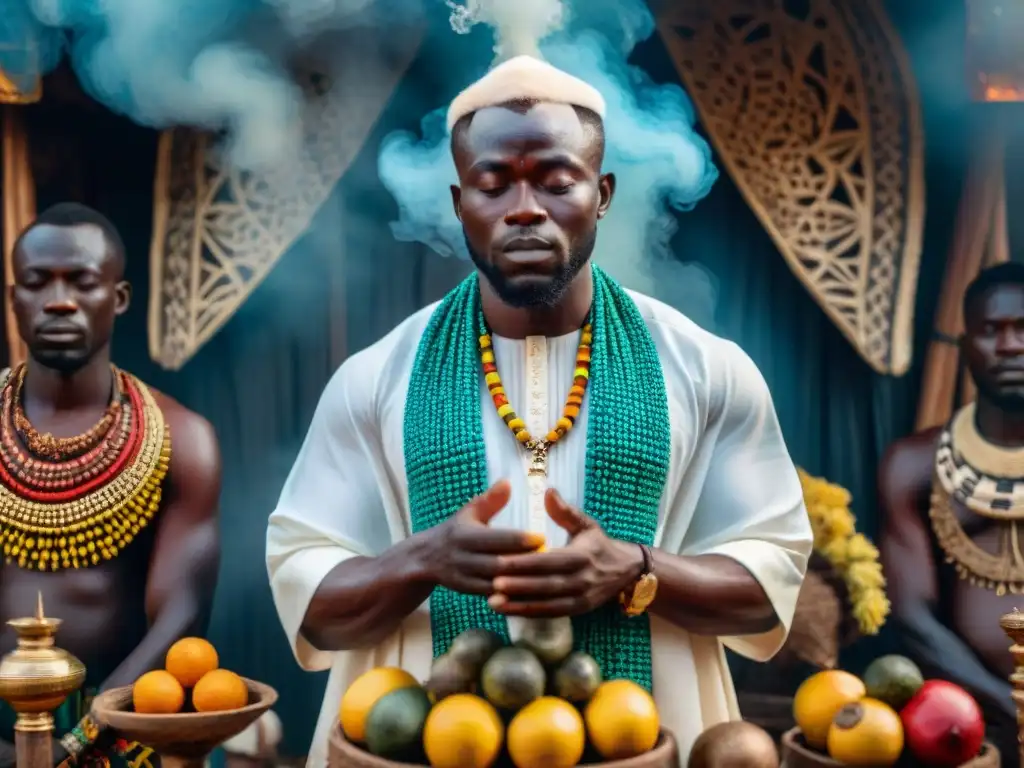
63 361
1011 402
542 293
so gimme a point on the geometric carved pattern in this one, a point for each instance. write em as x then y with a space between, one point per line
812 109
218 232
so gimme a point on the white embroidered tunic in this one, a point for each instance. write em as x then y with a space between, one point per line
731 490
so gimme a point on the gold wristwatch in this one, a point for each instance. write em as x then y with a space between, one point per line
638 598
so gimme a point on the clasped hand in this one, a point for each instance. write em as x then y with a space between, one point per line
508 568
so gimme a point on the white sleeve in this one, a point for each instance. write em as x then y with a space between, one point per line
332 506
751 506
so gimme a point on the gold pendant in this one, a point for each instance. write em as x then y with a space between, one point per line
539 460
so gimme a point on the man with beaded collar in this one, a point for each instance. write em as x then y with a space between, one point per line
666 466
953 501
120 540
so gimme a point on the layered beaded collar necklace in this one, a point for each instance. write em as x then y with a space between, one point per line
989 481
77 501
538 447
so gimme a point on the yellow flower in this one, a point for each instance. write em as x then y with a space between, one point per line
861 549
830 523
864 575
836 553
870 611
841 522
852 556
834 495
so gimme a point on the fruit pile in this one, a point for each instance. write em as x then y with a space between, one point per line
891 713
536 704
191 672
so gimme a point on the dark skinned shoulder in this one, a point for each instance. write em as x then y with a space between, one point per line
904 485
905 473
195 451
186 557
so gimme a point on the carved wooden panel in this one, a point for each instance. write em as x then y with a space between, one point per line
812 109
218 231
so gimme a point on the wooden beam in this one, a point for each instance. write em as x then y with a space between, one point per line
19 204
975 240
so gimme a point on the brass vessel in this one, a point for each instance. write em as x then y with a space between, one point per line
36 677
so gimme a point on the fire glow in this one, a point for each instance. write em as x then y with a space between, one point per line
995 57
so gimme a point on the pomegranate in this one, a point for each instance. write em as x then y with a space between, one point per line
943 724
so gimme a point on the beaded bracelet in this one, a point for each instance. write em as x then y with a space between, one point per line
80 744
81 737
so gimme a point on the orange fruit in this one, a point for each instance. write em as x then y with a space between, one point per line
365 691
219 690
546 733
622 720
158 693
189 659
463 731
819 698
866 732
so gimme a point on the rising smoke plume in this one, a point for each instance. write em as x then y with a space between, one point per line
661 164
215 64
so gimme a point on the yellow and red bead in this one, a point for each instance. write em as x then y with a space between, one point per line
573 402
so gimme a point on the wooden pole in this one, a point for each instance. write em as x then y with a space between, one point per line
19 203
980 237
1013 625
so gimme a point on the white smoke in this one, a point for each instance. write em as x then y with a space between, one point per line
215 64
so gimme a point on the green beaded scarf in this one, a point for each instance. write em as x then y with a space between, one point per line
627 455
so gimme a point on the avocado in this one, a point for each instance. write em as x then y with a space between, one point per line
577 677
893 679
512 678
449 676
474 647
550 640
394 726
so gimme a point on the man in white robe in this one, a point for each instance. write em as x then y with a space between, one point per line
351 579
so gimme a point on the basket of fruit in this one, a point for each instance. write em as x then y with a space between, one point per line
184 711
890 717
535 704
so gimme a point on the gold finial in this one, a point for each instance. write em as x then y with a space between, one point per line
36 676
1013 625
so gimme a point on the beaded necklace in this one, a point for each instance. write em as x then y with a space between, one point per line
987 480
80 500
570 412
627 455
58 448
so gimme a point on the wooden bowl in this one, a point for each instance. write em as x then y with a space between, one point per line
796 754
184 739
342 753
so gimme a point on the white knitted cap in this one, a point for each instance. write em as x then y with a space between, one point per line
525 78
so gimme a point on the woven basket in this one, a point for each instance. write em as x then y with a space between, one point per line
342 753
796 754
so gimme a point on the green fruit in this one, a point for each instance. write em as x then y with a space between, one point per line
512 678
474 647
550 640
449 676
893 679
394 726
577 678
